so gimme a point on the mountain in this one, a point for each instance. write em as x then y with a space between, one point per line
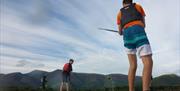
166 80
1 75
54 78
122 80
36 74
18 80
79 80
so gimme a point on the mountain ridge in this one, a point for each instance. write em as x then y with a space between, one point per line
79 80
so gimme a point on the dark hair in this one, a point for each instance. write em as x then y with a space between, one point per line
71 60
127 1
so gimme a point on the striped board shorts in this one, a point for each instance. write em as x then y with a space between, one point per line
135 40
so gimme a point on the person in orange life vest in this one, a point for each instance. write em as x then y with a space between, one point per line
131 24
67 69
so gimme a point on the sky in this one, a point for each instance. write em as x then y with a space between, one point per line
45 34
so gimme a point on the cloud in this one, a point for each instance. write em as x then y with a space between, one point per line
24 63
14 64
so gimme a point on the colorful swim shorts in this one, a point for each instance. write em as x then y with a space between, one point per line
135 40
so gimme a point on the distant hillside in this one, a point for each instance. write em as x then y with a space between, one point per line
36 74
1 75
166 80
79 80
18 80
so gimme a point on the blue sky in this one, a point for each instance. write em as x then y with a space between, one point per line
44 34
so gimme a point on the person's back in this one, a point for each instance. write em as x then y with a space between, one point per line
131 24
67 68
130 15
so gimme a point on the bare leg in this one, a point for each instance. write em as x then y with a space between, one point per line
132 71
61 87
147 72
67 86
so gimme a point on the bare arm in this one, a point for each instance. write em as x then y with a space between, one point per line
120 29
144 21
119 23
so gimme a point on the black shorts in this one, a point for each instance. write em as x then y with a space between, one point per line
66 77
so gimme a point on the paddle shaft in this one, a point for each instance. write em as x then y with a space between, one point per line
110 30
